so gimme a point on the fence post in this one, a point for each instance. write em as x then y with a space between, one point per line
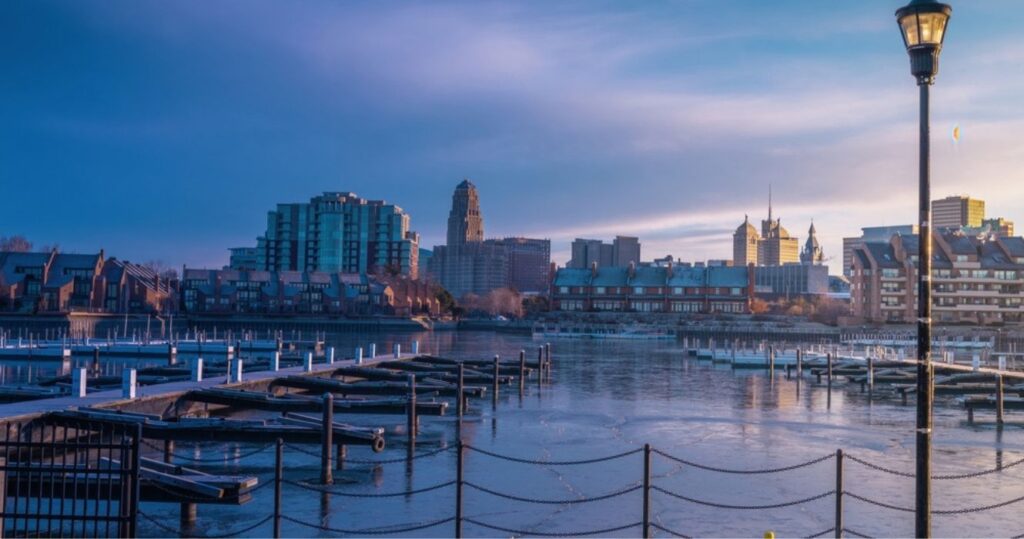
839 493
647 491
829 376
326 437
278 477
458 491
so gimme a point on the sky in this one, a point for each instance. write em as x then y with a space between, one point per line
166 130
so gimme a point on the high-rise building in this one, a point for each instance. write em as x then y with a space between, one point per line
468 264
744 244
998 226
622 251
338 232
772 247
465 223
871 233
957 211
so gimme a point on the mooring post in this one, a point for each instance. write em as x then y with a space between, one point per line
238 370
96 360
799 363
128 384
412 420
397 349
415 348
275 361
172 354
999 400
326 438
871 376
230 371
359 355
459 399
458 490
197 369
647 491
494 395
189 512
829 376
308 364
547 360
839 494
373 350
330 355
342 454
540 368
522 372
78 383
278 479
771 362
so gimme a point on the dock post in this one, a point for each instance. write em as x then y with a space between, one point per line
975 362
189 511
415 348
828 400
342 454
197 369
771 362
412 420
540 368
359 355
128 384
330 355
237 376
522 372
839 494
871 375
999 400
799 363
78 382
278 478
397 349
494 396
373 350
96 360
647 492
458 490
326 437
169 451
275 361
547 359
308 364
459 395
230 370
172 354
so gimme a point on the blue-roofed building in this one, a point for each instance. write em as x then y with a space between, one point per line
975 279
680 288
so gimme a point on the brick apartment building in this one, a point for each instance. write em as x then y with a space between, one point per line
976 280
676 288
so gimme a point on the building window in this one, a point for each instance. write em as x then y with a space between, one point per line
638 290
600 290
563 289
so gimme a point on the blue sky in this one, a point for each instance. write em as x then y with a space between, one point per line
166 130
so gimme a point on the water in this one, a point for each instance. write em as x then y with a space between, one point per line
609 397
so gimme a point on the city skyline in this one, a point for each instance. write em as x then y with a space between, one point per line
157 131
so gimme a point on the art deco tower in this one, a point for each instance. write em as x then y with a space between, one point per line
465 224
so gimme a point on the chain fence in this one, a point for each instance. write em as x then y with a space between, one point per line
646 487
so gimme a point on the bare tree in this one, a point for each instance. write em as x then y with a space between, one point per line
162 269
17 244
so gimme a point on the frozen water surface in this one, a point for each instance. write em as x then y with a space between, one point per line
610 397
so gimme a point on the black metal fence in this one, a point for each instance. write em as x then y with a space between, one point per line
647 485
69 478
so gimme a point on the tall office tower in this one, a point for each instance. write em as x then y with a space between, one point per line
465 223
957 211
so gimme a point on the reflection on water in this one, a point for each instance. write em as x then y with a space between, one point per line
608 397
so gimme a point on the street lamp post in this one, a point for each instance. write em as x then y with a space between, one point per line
923 27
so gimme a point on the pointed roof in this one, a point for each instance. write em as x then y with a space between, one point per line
466 184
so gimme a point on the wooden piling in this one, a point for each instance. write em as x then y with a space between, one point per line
999 400
169 451
342 454
829 376
411 415
522 372
326 437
